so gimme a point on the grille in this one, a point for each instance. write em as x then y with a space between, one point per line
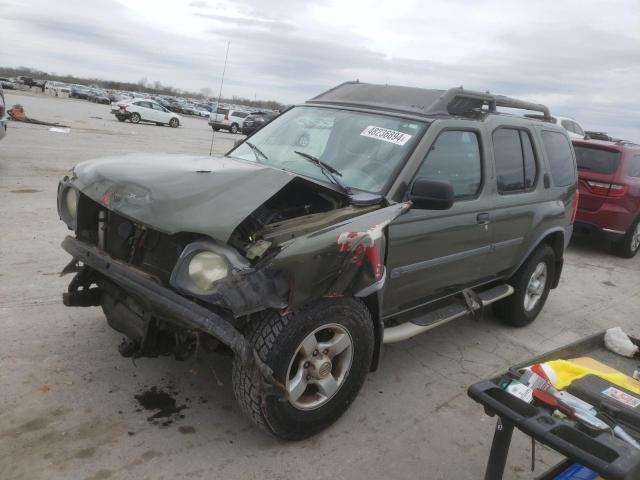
150 250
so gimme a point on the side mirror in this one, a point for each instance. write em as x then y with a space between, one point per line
431 194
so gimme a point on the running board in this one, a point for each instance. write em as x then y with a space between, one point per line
444 314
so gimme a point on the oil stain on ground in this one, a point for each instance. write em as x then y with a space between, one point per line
162 403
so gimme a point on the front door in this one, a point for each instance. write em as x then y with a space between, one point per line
435 253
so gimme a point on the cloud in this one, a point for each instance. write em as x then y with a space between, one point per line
581 59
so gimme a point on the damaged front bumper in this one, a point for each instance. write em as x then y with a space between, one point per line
166 304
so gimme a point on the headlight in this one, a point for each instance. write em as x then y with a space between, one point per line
205 268
71 202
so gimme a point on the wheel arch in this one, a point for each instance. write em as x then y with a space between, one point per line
373 303
557 239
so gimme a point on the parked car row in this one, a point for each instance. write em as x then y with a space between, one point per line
239 121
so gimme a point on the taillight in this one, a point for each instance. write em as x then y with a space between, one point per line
574 210
226 116
606 189
123 105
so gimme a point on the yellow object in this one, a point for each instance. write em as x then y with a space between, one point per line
566 372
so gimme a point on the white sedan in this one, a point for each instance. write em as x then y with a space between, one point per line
143 110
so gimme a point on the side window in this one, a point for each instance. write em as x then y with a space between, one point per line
634 166
240 114
515 160
558 151
530 169
578 129
455 157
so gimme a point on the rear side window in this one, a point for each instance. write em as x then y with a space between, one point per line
223 111
455 158
596 159
558 151
515 160
634 166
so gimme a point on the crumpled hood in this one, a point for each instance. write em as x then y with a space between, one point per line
180 193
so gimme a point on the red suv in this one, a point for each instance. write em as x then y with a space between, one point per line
609 180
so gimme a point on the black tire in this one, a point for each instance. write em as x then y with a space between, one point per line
174 123
628 246
276 339
135 117
215 129
234 128
511 310
121 118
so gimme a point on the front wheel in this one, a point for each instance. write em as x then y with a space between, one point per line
321 354
629 245
173 123
135 118
531 285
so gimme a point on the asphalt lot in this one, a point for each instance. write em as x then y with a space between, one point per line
72 408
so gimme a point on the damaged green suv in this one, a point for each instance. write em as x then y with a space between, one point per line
365 216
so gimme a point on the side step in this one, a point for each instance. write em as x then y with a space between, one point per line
444 314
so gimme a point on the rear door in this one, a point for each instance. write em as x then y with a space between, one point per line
145 110
159 113
432 253
514 214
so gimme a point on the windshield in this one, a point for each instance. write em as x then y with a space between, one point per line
364 148
597 160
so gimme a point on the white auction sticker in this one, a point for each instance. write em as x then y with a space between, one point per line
391 136
622 397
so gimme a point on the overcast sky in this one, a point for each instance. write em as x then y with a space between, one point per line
582 58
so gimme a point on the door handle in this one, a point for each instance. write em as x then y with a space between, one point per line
483 218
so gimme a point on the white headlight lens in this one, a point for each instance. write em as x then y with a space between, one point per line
71 202
205 268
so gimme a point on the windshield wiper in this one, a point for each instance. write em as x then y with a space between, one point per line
328 171
257 152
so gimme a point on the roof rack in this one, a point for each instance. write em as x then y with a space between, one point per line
603 136
455 101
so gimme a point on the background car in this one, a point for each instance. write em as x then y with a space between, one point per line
144 110
609 181
572 127
227 119
7 84
3 115
99 96
256 120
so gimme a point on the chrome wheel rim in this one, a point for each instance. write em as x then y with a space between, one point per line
535 287
635 239
319 367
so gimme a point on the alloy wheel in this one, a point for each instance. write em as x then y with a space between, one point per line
319 367
535 287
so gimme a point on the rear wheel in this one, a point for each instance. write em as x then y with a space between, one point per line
215 129
321 355
135 118
234 128
629 245
121 118
173 123
531 285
